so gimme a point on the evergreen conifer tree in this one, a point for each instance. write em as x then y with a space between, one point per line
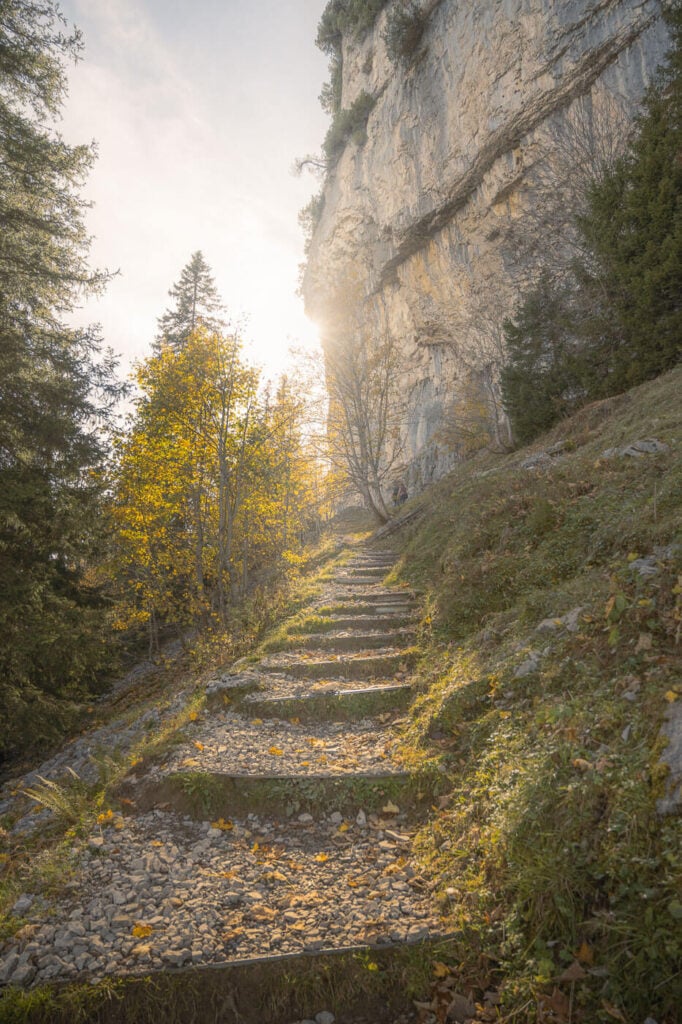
54 389
196 303
633 230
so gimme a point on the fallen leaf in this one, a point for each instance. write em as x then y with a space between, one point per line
671 696
440 970
612 1010
295 721
156 842
198 745
275 751
581 764
224 826
262 914
585 954
105 817
256 721
142 931
321 858
390 808
193 715
573 973
644 642
343 827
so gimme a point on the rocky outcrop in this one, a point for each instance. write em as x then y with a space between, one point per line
418 216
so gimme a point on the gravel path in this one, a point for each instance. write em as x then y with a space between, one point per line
159 890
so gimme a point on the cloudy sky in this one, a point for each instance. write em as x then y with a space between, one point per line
199 110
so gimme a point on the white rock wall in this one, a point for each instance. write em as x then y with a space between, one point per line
417 216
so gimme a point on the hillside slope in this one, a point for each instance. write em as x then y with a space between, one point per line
553 616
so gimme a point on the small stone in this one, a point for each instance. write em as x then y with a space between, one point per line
526 668
305 819
96 842
361 819
23 904
336 818
24 974
324 1017
7 968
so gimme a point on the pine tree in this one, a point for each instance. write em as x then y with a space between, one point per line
54 388
539 381
633 230
196 304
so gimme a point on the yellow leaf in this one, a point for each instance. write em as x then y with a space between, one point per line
295 721
275 751
505 714
193 715
441 970
390 808
141 931
585 954
343 827
321 858
256 721
156 842
224 826
305 764
633 556
198 745
671 696
105 817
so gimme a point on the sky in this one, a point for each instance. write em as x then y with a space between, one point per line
198 111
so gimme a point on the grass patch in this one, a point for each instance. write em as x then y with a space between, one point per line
548 849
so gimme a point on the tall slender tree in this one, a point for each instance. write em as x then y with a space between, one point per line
196 304
55 389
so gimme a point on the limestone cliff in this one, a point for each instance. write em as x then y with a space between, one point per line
418 214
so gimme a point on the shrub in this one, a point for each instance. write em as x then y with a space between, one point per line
404 30
349 125
341 17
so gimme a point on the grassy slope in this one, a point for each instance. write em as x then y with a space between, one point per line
549 851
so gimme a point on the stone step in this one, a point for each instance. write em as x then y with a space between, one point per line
384 595
211 795
342 667
278 989
368 621
362 571
357 581
356 641
333 704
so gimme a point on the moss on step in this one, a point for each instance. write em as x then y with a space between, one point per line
336 707
372 983
208 794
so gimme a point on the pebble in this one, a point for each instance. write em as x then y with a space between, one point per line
23 904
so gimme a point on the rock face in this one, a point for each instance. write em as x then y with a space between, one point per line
418 216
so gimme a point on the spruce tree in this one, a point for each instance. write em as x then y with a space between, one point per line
633 230
54 388
196 303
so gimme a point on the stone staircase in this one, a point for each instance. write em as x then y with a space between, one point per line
279 825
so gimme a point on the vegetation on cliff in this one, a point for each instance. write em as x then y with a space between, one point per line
614 318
